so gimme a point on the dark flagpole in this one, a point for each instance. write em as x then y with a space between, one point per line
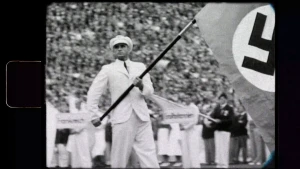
97 122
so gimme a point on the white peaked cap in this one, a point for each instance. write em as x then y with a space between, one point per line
121 39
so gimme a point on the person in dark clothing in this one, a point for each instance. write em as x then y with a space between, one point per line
61 141
108 140
239 136
209 142
208 137
223 115
62 136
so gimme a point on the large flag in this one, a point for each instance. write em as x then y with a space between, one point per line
241 37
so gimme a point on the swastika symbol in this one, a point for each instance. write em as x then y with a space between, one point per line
268 67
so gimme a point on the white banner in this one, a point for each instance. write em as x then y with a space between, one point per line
72 120
173 112
178 115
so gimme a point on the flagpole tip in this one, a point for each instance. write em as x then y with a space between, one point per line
194 21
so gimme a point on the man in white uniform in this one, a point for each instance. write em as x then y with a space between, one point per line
131 125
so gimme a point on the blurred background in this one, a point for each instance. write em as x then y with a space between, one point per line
78 36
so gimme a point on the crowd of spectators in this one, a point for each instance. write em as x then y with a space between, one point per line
78 37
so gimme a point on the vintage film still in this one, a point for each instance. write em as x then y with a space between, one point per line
205 97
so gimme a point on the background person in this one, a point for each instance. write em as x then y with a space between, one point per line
223 113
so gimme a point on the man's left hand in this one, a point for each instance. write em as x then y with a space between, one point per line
138 83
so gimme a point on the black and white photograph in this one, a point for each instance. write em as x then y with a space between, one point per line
160 85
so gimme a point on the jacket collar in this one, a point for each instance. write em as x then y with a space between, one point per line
128 61
119 66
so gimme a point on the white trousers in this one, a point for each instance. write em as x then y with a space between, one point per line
133 134
222 141
162 141
202 157
190 148
78 146
63 156
174 138
100 145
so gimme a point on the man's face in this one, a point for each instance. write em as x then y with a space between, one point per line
240 109
222 100
188 101
121 51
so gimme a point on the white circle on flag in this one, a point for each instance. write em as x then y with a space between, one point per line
241 47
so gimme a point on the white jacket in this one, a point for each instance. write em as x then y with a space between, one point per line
115 77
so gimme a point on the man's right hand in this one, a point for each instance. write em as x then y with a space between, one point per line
138 83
